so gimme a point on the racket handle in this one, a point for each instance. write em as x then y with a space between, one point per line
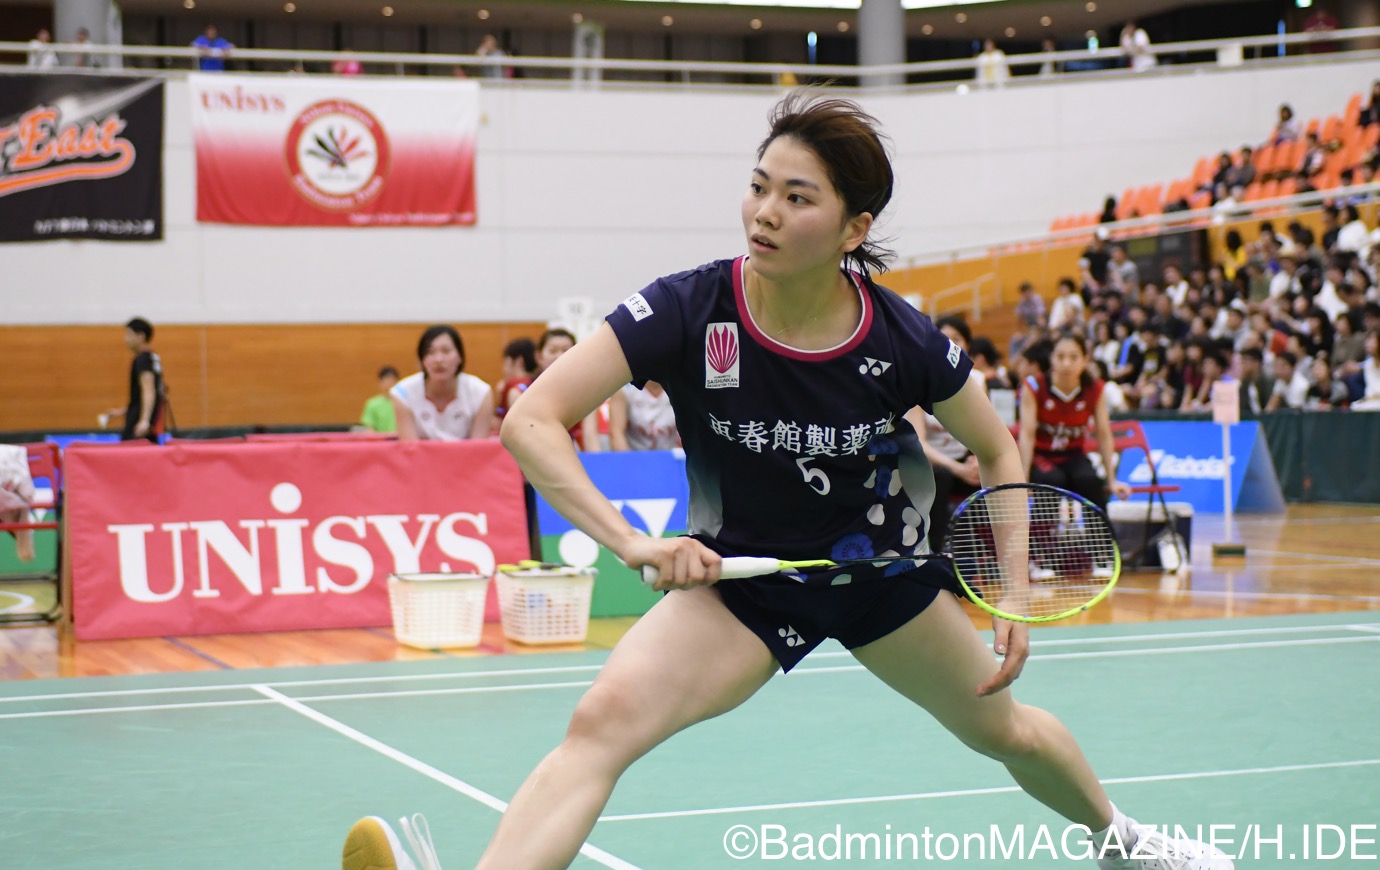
732 568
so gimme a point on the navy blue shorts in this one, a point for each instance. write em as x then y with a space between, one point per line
793 619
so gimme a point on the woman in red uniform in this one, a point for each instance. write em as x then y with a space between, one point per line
1057 406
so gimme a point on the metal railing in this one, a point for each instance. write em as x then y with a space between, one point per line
968 298
684 72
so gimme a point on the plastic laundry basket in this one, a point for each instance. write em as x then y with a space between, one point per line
432 611
545 605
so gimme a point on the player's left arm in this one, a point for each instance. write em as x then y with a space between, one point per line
1102 420
970 417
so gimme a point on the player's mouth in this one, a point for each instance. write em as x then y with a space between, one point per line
761 243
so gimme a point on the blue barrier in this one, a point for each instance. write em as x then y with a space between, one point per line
1188 453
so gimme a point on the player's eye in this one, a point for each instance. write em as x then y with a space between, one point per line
798 199
754 187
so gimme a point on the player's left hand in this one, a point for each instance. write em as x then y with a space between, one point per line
1121 489
141 429
1013 644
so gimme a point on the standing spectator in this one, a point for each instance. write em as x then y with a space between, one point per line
1066 315
992 70
41 54
83 58
378 414
347 65
489 50
213 48
1320 21
1371 113
1288 129
144 412
1135 45
1050 68
441 402
642 419
1097 255
1030 308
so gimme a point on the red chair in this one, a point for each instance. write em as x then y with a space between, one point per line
1130 435
45 463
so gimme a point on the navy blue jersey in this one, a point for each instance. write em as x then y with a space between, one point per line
790 453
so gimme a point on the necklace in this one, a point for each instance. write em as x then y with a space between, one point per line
786 327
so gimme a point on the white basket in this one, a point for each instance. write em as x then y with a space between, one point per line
434 611
546 605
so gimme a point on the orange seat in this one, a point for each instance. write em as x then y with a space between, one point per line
1202 171
1202 199
1331 130
1351 116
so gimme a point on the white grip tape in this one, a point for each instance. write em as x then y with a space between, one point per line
732 568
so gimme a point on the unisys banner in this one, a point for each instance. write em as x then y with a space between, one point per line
81 157
334 151
206 539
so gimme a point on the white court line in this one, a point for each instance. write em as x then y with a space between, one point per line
592 852
1249 593
1368 638
22 601
1371 628
972 792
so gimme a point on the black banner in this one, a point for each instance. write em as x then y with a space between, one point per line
81 157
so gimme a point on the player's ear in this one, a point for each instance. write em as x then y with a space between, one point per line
855 231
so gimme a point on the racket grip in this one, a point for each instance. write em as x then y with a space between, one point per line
732 568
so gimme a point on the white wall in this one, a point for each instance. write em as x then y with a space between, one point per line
596 193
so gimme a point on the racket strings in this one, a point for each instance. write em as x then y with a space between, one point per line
1034 554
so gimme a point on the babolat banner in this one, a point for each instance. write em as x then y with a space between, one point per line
81 157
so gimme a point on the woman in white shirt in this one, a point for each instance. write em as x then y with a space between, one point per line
441 402
642 419
992 71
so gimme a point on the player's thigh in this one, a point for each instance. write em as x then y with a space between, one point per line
688 659
938 660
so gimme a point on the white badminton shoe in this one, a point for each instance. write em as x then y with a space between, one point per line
372 845
1154 850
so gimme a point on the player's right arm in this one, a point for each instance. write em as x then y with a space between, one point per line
1030 411
535 433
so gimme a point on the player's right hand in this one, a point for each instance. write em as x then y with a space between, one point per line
679 563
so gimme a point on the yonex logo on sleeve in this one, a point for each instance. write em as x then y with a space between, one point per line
638 306
954 354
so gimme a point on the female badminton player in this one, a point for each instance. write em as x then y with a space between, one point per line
789 376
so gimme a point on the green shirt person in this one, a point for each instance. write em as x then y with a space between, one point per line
378 411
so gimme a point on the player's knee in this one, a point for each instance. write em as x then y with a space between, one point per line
1006 738
608 713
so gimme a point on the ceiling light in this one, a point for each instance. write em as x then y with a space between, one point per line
188 4
667 21
961 17
843 27
927 29
1046 21
483 14
1010 32
1091 7
1091 34
388 12
755 24
289 7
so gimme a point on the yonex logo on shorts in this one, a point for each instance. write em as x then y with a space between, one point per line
720 356
638 306
791 636
954 354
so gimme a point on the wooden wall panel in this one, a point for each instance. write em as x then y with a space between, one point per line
61 377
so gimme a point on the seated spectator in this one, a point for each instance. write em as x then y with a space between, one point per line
1164 387
441 402
1290 388
1371 113
1165 321
519 368
1326 392
1174 284
1313 162
1354 234
642 419
1116 397
1066 315
987 361
1210 370
378 414
1255 384
1108 215
1370 376
1318 336
1058 406
16 495
1243 174
348 65
1286 281
1288 129
1123 275
1030 307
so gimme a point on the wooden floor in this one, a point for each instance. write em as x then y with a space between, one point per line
1314 559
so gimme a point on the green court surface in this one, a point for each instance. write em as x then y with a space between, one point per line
1266 722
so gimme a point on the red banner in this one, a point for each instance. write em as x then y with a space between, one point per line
223 538
334 151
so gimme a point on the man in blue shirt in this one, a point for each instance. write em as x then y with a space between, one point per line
214 50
